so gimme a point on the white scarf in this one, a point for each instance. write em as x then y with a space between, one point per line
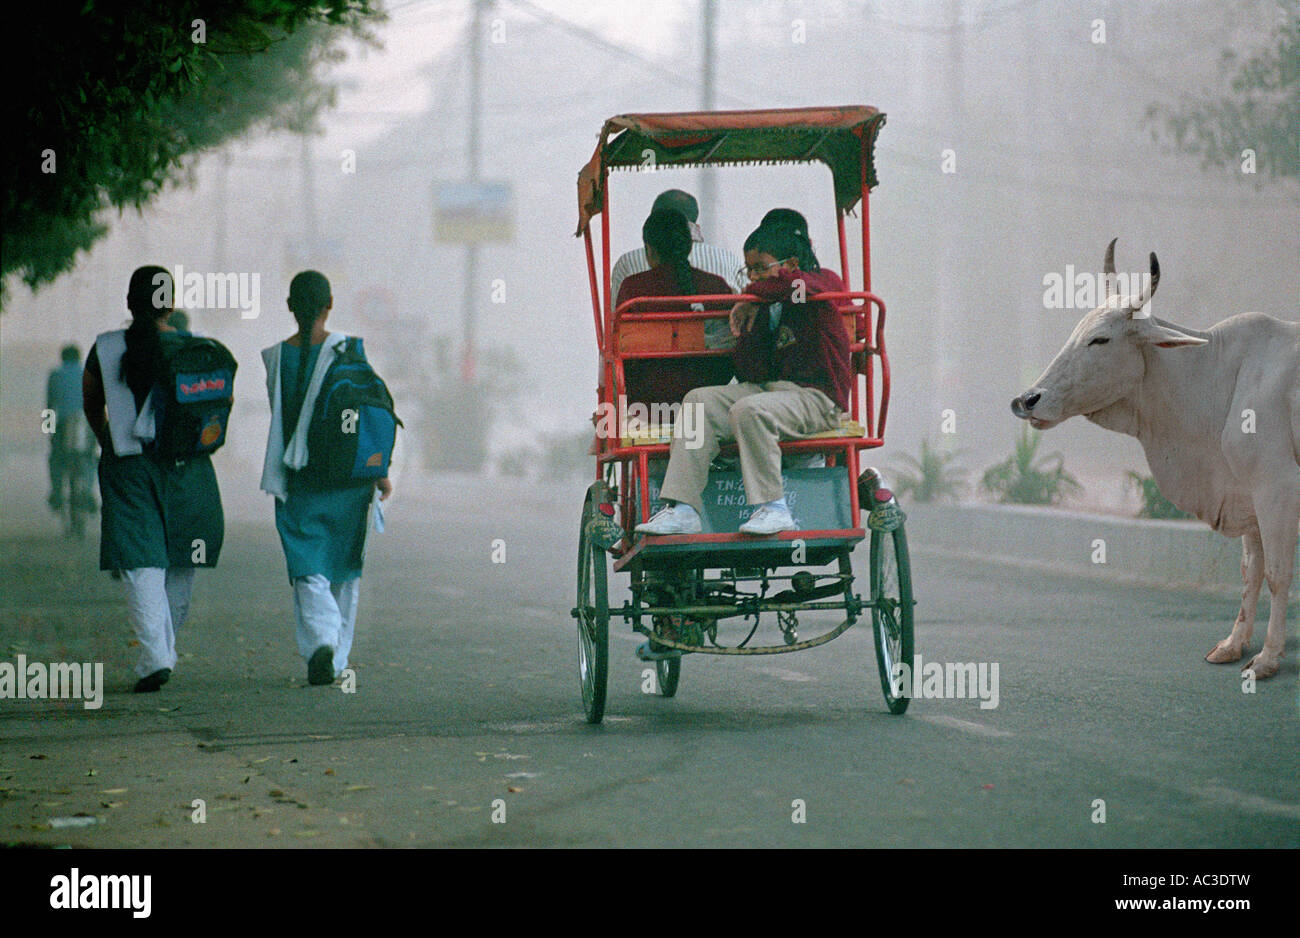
127 428
280 457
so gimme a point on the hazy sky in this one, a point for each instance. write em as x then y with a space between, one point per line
1053 159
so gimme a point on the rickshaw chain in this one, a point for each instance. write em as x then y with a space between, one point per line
762 649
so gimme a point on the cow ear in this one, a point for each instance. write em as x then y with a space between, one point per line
1168 337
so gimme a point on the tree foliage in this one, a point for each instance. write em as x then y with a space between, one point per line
118 99
1260 110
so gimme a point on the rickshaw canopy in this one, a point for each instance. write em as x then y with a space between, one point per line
841 137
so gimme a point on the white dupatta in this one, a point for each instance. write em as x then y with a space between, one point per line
280 457
127 428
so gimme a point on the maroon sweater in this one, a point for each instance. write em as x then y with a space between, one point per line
666 380
809 345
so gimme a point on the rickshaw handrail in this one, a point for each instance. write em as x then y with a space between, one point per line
622 311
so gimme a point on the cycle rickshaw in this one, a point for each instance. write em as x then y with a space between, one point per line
683 586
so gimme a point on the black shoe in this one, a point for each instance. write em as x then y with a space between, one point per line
320 666
152 682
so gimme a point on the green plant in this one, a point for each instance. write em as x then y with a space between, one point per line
930 476
1025 478
1154 503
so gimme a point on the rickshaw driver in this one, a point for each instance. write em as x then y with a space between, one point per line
793 380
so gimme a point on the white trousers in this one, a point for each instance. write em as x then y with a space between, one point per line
327 615
157 602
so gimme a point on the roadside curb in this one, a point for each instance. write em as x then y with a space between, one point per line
1172 554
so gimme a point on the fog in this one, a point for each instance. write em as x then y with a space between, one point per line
1046 128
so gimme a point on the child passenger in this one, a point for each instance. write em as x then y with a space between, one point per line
322 530
794 379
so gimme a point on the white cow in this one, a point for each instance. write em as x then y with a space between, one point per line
1218 415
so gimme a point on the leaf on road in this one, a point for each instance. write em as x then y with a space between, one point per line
112 791
329 771
359 788
513 789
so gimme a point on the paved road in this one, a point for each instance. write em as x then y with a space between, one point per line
467 696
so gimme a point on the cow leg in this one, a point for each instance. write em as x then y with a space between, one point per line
1279 534
1252 578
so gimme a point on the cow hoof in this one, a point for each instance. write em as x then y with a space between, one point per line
1263 668
1223 653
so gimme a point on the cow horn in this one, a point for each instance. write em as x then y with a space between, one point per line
1136 306
1108 267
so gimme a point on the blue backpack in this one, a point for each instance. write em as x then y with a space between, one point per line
353 427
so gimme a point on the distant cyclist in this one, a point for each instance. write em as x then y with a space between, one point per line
72 446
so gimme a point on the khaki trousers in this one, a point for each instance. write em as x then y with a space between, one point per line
757 417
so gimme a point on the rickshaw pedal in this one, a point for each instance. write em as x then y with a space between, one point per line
645 654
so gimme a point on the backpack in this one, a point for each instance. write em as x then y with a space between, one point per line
353 426
193 398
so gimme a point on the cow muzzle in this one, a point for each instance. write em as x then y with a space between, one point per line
1023 405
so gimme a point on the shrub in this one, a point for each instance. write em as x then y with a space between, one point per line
930 476
1154 503
1024 478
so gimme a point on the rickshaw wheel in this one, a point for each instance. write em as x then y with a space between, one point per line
891 610
593 614
667 673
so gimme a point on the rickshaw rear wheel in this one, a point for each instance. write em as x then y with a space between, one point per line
592 613
891 612
668 672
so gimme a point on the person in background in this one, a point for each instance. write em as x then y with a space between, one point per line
703 256
72 449
322 530
793 380
161 518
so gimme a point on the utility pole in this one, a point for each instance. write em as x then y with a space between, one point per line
309 220
947 267
474 159
708 192
220 211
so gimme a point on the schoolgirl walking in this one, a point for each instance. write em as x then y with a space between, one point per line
161 517
322 511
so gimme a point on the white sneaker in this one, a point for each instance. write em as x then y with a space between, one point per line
769 520
672 519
